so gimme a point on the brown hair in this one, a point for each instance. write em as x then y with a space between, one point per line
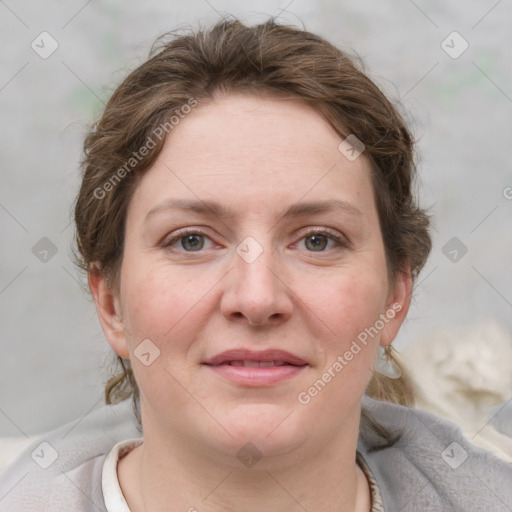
269 58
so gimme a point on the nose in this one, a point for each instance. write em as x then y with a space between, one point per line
256 293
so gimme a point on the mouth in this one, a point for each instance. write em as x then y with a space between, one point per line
253 368
257 364
253 358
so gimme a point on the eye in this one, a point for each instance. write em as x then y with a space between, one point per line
316 242
188 241
322 240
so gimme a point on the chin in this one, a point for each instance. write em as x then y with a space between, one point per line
272 429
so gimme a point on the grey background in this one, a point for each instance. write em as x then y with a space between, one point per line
54 359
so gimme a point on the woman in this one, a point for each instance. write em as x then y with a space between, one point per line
251 241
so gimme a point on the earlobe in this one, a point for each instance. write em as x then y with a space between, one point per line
398 306
108 309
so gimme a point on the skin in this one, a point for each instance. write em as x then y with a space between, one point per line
255 156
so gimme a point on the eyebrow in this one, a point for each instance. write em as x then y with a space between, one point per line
217 210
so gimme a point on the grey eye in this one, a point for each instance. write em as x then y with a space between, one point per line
192 242
316 242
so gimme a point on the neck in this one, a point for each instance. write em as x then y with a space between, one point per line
180 477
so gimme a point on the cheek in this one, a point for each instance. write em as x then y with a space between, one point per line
350 306
151 306
347 302
164 312
165 305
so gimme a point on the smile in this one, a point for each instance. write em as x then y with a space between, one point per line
255 369
257 364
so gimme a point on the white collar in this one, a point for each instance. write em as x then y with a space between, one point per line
112 494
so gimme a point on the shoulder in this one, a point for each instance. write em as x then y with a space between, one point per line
62 470
432 466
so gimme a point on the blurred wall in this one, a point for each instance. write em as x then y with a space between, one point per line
60 61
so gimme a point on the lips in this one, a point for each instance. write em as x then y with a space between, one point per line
254 359
249 368
256 364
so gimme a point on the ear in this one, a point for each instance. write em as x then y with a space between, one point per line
399 300
107 307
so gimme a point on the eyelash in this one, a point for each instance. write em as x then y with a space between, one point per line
330 234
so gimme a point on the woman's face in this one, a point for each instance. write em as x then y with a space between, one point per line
253 263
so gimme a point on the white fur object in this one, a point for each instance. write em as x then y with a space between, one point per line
11 447
462 374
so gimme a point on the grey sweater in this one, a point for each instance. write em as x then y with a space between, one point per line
433 467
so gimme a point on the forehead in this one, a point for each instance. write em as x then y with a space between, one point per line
254 129
242 148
